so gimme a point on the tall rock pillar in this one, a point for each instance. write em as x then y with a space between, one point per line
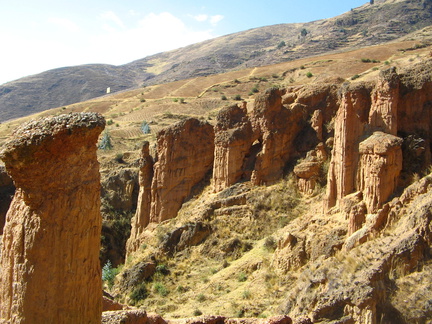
142 215
50 271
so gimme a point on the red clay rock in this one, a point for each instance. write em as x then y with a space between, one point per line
307 172
133 316
233 142
277 127
349 126
50 271
379 168
385 97
185 154
142 214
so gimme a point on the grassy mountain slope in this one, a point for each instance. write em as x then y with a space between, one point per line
364 26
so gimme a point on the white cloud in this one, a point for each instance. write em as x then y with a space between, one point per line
200 17
110 16
64 23
215 19
152 34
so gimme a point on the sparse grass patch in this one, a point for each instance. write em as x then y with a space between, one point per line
201 298
242 277
160 289
246 294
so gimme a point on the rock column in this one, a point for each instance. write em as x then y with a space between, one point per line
142 215
50 271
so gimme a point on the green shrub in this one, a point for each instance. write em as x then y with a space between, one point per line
237 97
355 77
270 243
160 288
281 44
246 294
110 122
224 97
201 298
197 312
162 269
309 74
119 158
242 277
139 293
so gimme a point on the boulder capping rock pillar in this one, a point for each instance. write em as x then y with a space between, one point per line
49 267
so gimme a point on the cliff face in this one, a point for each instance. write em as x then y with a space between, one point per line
50 269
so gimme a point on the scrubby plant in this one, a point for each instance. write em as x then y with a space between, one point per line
309 74
201 298
237 97
139 293
241 277
223 97
246 294
281 44
119 158
197 312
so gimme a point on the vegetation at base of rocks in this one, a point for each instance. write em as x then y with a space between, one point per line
138 294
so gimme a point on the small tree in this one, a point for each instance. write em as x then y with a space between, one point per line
109 273
145 128
105 142
281 44
304 32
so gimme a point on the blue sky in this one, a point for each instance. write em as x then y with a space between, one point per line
38 35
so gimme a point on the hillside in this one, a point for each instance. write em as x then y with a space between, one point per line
367 25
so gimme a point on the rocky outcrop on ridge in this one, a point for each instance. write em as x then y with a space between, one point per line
50 270
184 156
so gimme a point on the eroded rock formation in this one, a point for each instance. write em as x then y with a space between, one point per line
142 214
50 270
234 155
185 154
368 150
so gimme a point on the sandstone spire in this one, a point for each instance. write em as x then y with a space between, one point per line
142 215
50 270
